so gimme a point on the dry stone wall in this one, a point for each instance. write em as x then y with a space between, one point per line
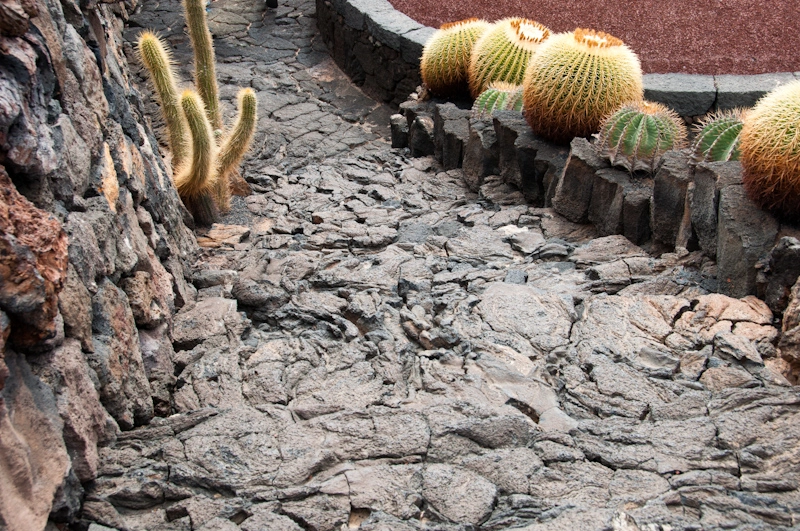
93 241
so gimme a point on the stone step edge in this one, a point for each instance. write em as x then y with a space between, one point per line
380 24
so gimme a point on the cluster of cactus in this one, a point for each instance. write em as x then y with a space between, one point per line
499 96
445 57
503 53
770 151
717 137
204 158
637 135
575 80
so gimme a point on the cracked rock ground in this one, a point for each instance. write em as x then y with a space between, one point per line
372 346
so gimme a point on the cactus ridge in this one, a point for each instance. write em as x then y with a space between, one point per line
499 96
445 57
717 137
770 151
638 134
575 80
158 61
503 52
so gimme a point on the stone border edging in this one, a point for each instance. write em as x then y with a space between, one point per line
379 48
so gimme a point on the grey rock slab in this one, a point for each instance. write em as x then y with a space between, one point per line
544 320
393 489
686 94
744 91
574 190
671 201
459 495
709 179
745 234
208 318
480 244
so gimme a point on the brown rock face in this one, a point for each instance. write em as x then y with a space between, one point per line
790 340
33 460
33 266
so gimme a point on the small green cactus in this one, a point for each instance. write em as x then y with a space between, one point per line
202 182
503 52
717 137
499 96
638 134
770 151
574 80
445 57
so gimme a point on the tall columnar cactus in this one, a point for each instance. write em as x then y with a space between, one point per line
157 60
204 193
717 138
235 144
503 52
195 180
445 57
770 151
574 80
638 134
205 69
499 96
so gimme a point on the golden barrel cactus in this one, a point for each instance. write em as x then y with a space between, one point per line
574 80
445 57
503 52
770 151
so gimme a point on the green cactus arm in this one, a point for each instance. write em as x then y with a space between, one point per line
236 143
157 61
205 75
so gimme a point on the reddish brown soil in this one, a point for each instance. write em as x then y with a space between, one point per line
688 36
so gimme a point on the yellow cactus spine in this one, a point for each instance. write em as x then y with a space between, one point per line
205 74
235 146
503 53
445 57
576 79
770 151
157 60
195 180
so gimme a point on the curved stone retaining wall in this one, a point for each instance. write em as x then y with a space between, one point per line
379 48
681 207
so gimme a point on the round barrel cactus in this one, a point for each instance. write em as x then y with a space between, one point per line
499 96
717 137
503 52
445 57
638 134
576 79
770 151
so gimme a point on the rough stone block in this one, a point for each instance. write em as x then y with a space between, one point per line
745 234
451 133
481 156
574 191
420 136
686 94
745 91
399 128
508 127
709 179
387 25
671 200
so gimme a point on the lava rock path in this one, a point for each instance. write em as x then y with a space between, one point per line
372 346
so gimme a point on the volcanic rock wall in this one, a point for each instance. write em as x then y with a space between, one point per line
93 240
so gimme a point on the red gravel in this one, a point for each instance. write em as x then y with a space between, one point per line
688 36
